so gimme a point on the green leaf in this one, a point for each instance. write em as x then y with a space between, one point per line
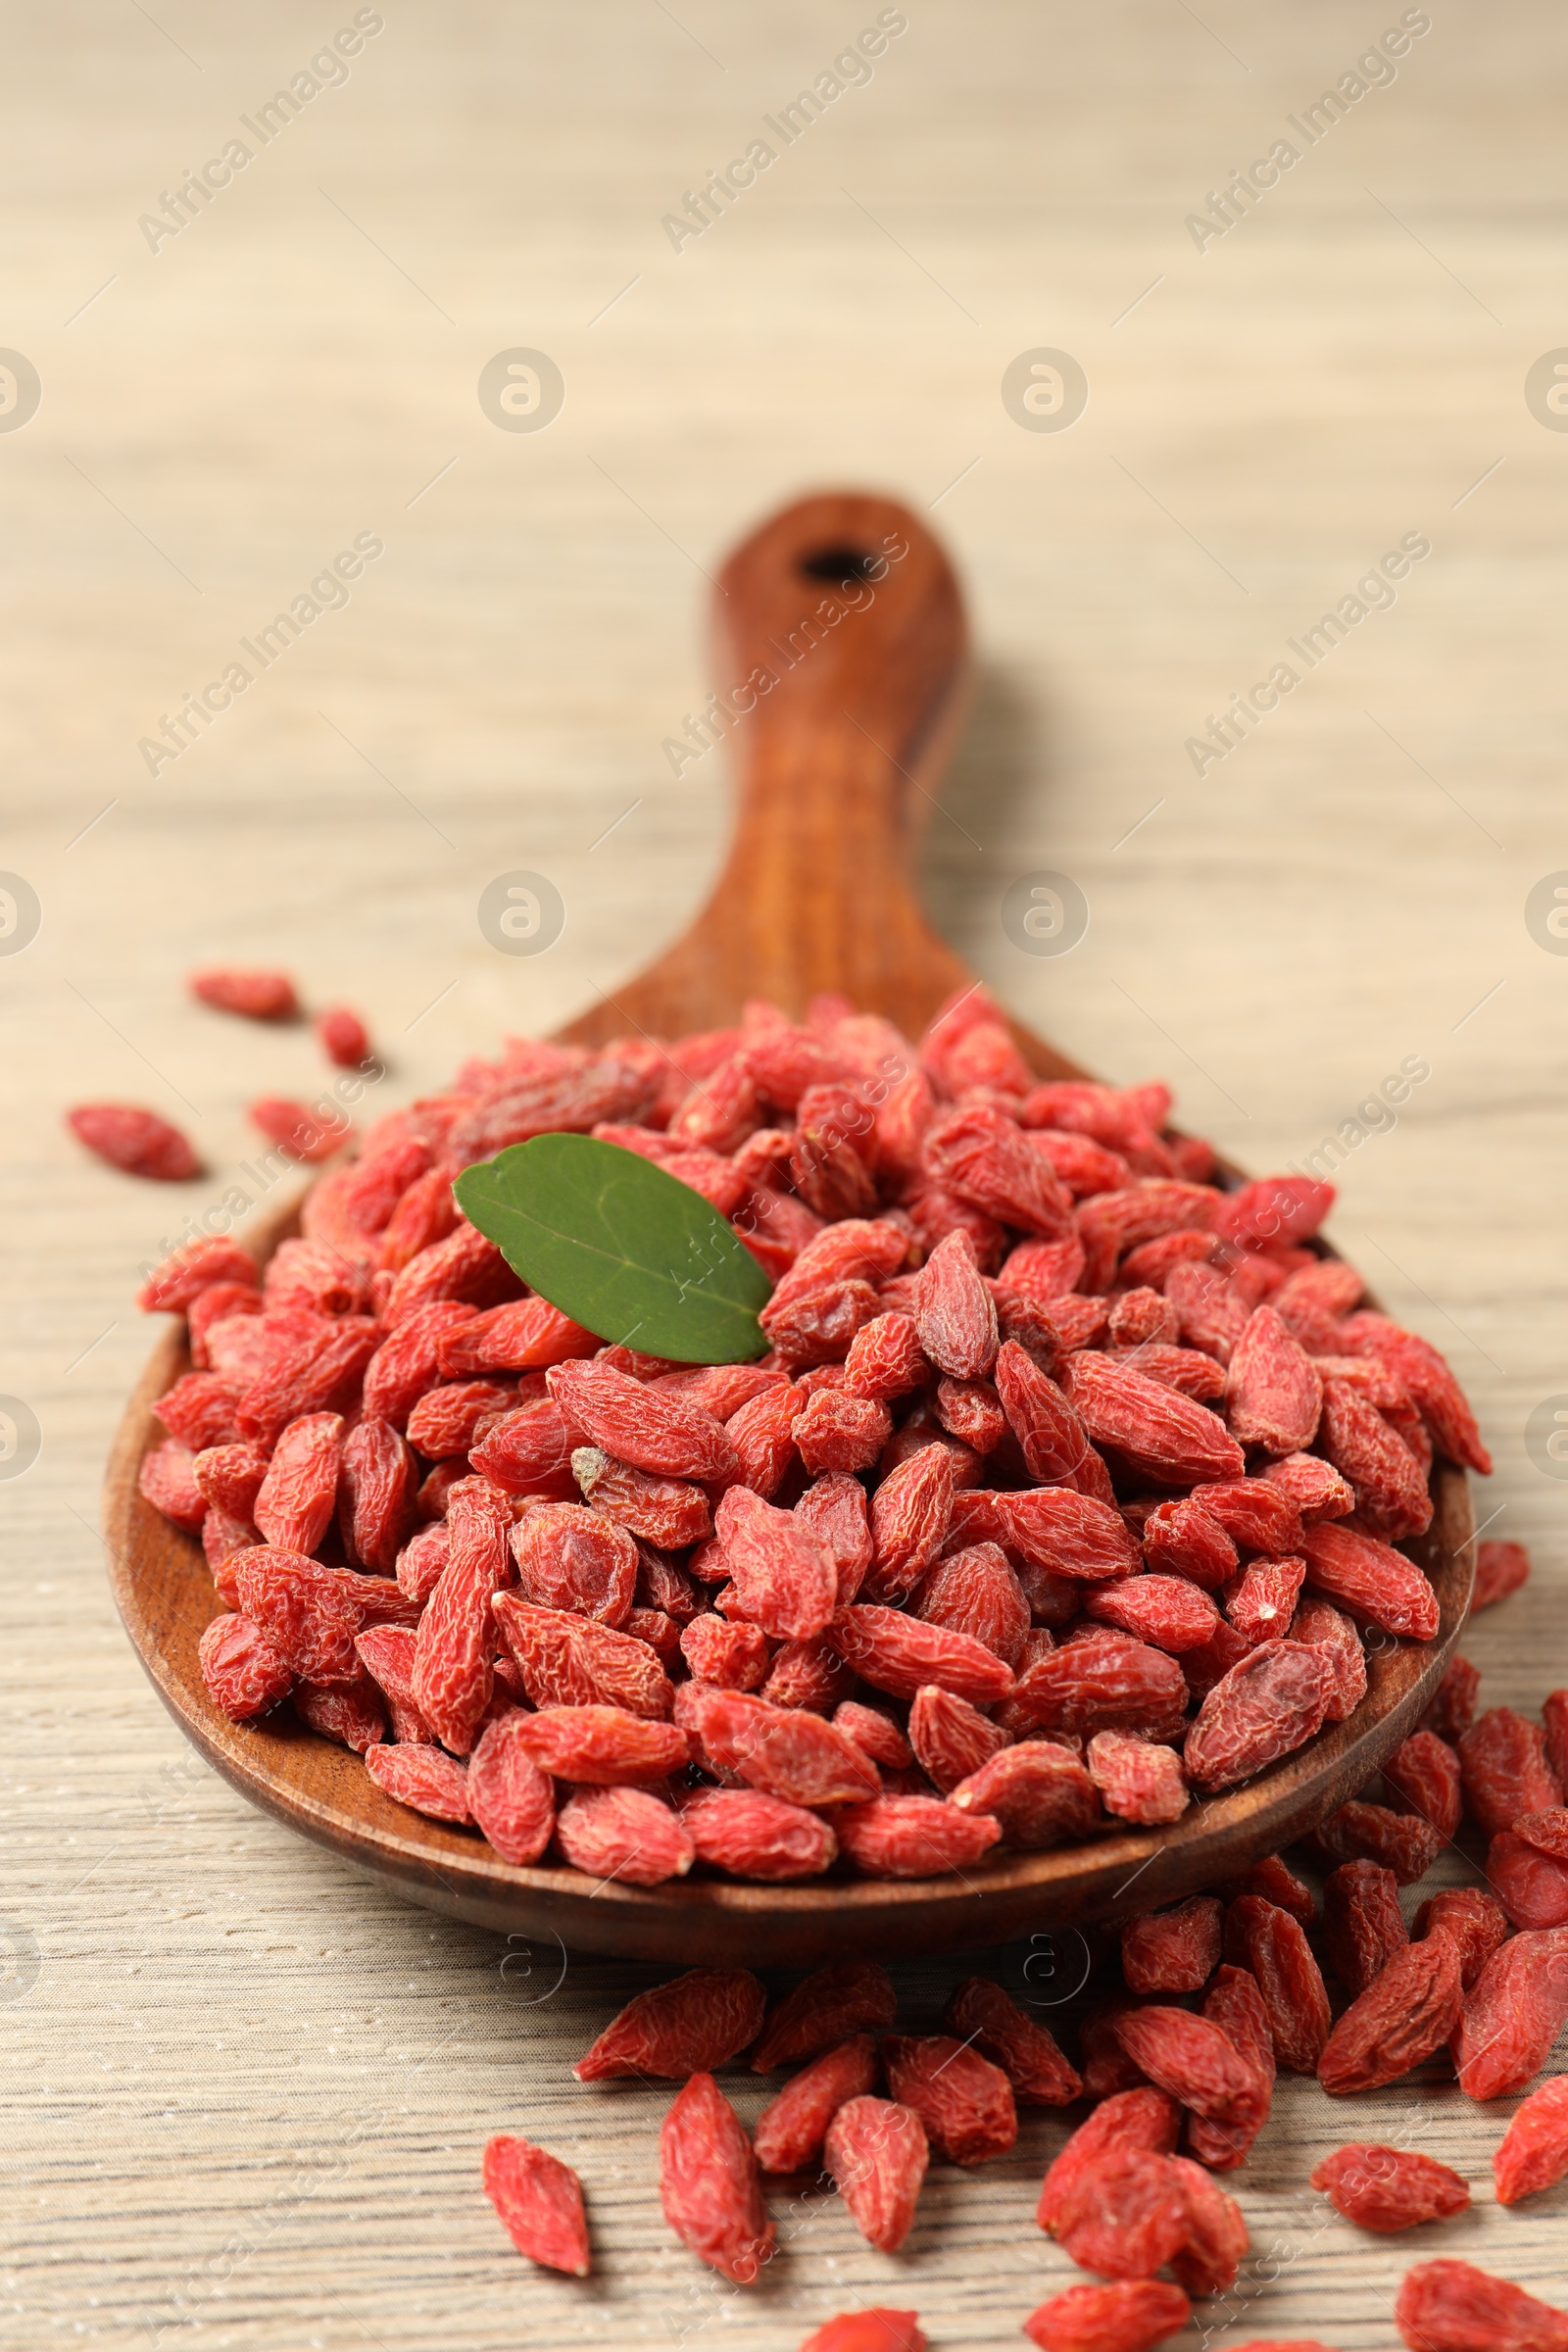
620 1245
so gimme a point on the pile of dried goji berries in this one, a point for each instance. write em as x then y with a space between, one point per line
1177 2068
1071 1483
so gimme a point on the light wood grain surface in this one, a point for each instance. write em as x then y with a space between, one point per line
247 2092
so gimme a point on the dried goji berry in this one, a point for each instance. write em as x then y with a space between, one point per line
1388 2189
1263 1601
786 1751
1271 1876
1502 1569
1234 2004
1532 2153
295 1501
244 1673
1314 1486
1156 1432
1382 1584
1125 2213
876 2151
978 2011
1452 2307
835 2002
976 1591
708 2184
509 1796
1129 2315
571 1558
1321 1626
1167 1611
1272 1946
1513 2012
260 995
604 1745
1173 1951
1530 1885
200 1266
1409 2009
693 2024
422 1779
874 2329
791 2129
1423 1371
913 1837
950 1738
785 1576
755 1835
1145 2120
963 2101
1138 1779
1503 1765
625 1834
540 2203
735 1656
1391 1488
1424 1775
1216 2233
1363 1925
901 1654
1266 1706
1476 1920
137 1141
1191 2057
1402 1842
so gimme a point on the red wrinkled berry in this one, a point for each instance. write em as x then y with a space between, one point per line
540 2203
708 2184
260 996
1454 2307
138 1141
1388 2189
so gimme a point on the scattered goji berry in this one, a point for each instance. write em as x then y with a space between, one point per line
1409 2009
1388 2189
874 2329
791 2129
1503 1765
1530 1885
540 2203
877 2152
709 2183
137 1141
1217 2236
1452 2307
1513 2012
832 2005
1402 1842
260 995
1191 2057
1129 2315
1273 1947
1363 1925
1145 2120
1173 1951
1532 2153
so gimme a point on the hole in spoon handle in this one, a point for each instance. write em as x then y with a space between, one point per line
841 669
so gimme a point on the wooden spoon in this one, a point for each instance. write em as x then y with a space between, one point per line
849 609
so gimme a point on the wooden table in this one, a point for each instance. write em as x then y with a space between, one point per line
249 2091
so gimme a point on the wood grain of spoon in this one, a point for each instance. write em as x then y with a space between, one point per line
849 607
